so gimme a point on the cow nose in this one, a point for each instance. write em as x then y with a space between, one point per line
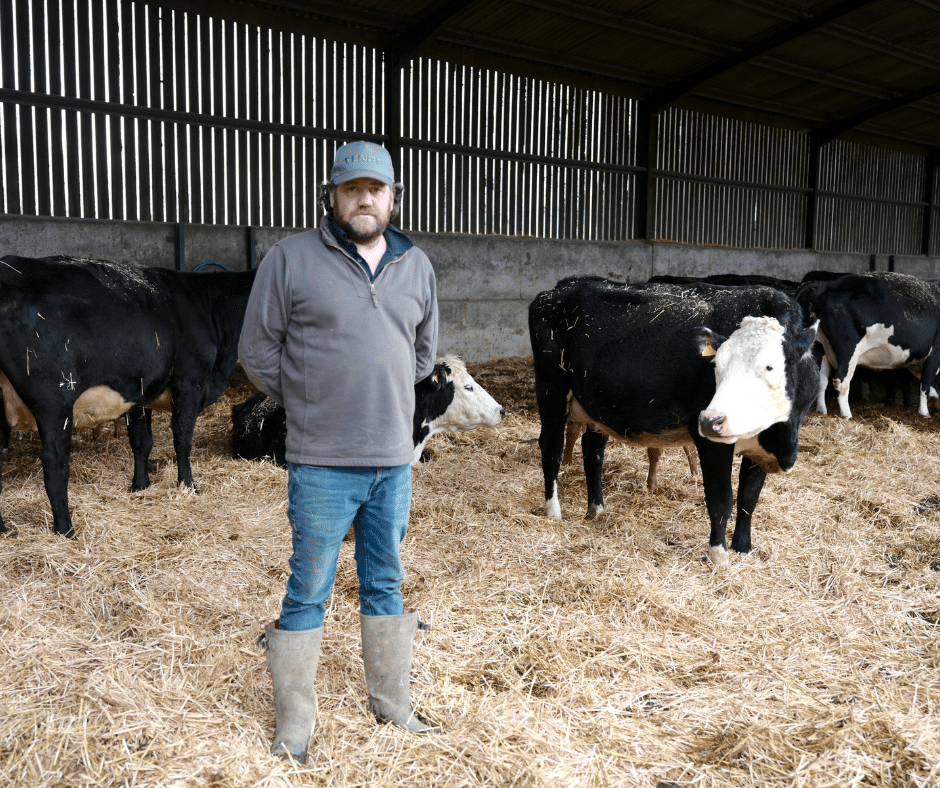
502 414
710 426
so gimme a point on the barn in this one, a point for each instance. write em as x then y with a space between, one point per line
537 139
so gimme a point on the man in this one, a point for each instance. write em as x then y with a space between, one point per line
341 323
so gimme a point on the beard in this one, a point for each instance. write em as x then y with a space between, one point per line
363 228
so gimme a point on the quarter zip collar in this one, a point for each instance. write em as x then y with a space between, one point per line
396 244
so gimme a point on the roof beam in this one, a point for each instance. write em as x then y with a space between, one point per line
416 36
829 131
661 99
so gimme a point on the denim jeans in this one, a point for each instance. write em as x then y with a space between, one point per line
322 503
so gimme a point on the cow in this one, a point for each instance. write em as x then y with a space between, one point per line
729 370
879 320
788 286
85 341
447 400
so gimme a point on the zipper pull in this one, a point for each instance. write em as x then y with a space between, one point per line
375 300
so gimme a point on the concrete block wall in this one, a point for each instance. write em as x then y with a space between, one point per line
485 283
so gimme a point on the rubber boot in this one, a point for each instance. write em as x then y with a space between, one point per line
292 661
386 656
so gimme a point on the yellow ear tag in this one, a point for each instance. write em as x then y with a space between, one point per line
708 350
436 379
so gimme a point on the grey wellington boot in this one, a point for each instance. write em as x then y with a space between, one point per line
292 662
386 656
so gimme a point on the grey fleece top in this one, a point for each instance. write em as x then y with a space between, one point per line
342 353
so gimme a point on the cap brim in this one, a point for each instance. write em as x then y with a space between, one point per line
351 176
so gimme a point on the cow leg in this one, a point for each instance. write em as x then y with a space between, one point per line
4 445
928 378
716 460
691 455
848 355
55 432
183 424
750 483
551 444
823 385
592 454
903 381
654 454
140 435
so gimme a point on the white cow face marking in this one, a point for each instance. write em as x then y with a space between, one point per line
472 406
750 373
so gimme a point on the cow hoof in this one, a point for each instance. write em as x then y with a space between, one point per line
553 508
593 510
719 557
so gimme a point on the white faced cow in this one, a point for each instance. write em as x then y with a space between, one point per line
650 365
878 320
448 400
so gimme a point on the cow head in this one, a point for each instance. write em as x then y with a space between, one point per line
754 374
450 400
472 405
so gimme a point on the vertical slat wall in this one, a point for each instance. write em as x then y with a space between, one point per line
727 182
935 225
188 119
869 200
491 153
124 110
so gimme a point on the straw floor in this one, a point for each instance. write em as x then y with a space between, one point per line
580 653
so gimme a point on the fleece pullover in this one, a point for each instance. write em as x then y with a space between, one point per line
342 353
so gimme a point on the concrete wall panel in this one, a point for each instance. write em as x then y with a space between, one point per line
485 283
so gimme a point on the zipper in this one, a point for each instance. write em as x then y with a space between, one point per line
375 300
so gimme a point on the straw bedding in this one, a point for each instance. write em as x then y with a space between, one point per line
580 653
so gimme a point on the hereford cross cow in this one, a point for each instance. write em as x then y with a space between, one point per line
728 370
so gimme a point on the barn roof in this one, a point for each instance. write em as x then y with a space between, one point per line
829 65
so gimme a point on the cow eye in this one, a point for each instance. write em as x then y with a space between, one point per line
769 368
468 387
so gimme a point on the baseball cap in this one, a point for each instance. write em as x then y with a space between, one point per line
363 160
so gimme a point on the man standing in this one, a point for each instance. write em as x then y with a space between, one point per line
341 323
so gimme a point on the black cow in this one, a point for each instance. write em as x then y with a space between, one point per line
448 400
85 341
651 365
880 320
730 280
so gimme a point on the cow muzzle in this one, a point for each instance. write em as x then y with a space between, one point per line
711 426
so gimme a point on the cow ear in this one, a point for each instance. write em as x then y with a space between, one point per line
706 341
439 376
805 339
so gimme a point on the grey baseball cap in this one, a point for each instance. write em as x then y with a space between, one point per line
362 160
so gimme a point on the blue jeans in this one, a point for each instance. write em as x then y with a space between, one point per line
322 503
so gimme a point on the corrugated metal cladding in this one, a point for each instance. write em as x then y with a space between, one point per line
130 111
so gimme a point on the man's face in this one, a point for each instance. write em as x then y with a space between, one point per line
362 207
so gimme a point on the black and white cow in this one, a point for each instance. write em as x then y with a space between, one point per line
879 320
85 341
729 370
448 400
